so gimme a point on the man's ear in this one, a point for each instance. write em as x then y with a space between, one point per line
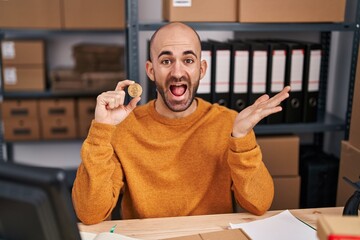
203 68
150 70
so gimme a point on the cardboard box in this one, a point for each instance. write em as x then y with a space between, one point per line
256 11
20 108
200 11
86 112
350 168
62 127
23 78
338 227
66 80
93 14
354 133
287 193
21 128
42 14
93 82
22 52
57 108
230 234
280 154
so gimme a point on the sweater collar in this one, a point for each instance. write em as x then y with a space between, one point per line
202 106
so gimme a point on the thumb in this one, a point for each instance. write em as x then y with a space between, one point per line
132 104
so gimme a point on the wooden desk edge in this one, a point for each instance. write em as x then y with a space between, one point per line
160 228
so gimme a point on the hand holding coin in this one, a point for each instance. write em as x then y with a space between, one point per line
135 90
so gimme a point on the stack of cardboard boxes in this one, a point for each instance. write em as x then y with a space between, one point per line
98 67
23 65
281 156
350 150
47 119
254 11
62 14
57 118
20 119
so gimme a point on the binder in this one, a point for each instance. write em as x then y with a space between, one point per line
239 75
311 84
294 78
258 68
204 89
220 72
275 75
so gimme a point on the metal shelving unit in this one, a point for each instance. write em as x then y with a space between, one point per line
326 122
6 33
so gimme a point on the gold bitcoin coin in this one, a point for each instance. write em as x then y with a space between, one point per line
135 90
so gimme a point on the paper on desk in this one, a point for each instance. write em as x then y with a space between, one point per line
282 226
104 236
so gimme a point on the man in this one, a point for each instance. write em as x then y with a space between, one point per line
177 155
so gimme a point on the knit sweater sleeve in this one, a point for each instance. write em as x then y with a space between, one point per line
252 184
99 177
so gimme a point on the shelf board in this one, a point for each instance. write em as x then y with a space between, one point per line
256 27
48 94
31 33
329 122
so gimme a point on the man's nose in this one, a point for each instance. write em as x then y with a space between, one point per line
177 70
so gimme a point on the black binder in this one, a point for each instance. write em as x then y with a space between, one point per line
275 76
239 75
258 68
311 84
204 90
220 72
294 79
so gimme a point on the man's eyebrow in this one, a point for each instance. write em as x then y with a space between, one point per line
185 53
165 53
190 52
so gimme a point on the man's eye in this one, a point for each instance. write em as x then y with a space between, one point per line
189 60
166 61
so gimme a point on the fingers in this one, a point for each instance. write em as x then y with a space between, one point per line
279 97
261 99
111 99
132 104
123 84
116 98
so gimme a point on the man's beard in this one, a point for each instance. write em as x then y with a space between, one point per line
178 106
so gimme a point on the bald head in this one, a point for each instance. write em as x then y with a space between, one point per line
172 33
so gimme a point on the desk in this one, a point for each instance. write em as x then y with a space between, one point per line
160 228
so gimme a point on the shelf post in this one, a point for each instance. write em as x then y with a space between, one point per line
132 39
354 59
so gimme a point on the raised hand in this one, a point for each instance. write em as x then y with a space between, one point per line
110 108
263 107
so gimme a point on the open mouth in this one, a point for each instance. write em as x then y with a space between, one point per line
178 89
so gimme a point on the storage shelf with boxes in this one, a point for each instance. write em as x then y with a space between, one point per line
31 34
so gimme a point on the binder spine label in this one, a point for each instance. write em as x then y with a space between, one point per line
241 71
278 71
222 78
205 82
259 72
297 65
314 71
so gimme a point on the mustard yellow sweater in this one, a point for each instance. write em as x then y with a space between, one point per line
170 167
